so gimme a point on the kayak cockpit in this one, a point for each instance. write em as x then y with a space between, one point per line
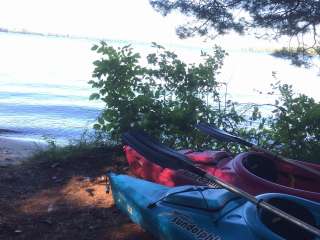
284 228
278 172
267 224
260 166
264 223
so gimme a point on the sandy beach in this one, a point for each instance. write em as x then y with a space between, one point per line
61 198
14 150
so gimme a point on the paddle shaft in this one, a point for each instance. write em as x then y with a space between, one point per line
259 203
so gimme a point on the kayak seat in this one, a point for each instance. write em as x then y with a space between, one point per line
261 167
284 228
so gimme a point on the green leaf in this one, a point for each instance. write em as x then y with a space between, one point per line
100 120
97 62
94 47
94 96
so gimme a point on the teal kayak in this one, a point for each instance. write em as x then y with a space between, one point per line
199 212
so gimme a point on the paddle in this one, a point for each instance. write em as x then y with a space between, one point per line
227 137
168 158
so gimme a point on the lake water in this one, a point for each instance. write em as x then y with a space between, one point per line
44 89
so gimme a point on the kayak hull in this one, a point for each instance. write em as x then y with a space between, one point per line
179 213
281 177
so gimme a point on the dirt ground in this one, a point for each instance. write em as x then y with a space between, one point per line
63 200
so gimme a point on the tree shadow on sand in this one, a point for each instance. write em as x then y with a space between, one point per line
64 200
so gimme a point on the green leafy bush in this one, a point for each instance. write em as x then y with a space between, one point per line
293 129
165 96
295 126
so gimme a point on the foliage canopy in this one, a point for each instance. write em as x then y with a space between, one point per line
295 125
295 19
167 96
283 17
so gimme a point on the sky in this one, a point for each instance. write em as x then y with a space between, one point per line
119 19
112 19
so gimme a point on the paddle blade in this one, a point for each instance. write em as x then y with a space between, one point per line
221 135
158 153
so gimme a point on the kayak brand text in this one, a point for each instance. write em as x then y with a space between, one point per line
192 228
201 180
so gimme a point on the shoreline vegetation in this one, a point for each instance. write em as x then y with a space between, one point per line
15 149
26 32
7 131
69 36
298 56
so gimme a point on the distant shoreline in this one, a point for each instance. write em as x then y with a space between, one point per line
68 36
6 131
5 30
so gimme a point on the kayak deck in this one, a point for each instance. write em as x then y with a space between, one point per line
197 212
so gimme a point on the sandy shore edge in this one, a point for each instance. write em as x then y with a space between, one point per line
15 150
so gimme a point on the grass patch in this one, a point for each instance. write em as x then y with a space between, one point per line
88 147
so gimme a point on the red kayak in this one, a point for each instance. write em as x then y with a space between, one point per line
253 172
